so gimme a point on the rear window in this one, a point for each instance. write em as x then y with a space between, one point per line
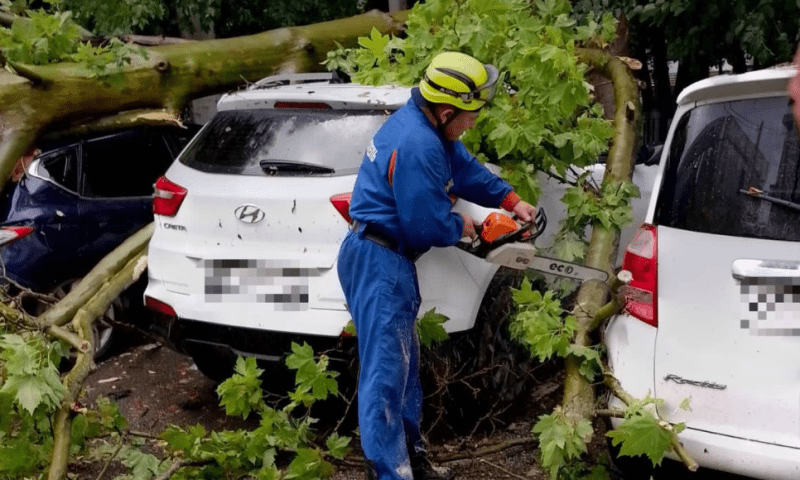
732 169
283 142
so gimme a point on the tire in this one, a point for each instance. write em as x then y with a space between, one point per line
476 377
213 362
106 328
218 362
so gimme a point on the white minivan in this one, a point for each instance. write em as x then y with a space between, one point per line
713 311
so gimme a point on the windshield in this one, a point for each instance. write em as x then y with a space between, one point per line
732 169
244 142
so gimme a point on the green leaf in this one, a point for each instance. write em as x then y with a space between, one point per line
350 328
591 365
337 446
143 465
560 439
641 434
375 43
570 248
242 394
525 294
430 328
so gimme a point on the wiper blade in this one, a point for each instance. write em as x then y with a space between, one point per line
754 192
286 167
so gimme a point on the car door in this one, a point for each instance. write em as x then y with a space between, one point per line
116 184
728 225
48 200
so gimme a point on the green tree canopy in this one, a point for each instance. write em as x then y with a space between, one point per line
224 18
700 36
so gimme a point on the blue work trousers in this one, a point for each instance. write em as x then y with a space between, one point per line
383 297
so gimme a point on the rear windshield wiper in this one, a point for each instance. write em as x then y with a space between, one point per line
754 192
286 167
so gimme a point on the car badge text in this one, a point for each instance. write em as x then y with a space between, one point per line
696 383
249 213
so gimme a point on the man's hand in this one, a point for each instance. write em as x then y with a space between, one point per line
525 211
469 227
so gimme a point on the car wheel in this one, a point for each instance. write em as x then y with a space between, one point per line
478 375
213 362
217 363
105 328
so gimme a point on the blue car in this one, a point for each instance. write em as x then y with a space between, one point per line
76 201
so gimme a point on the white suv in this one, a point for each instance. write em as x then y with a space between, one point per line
714 314
250 217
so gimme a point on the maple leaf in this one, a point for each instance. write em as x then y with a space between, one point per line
641 434
430 329
375 43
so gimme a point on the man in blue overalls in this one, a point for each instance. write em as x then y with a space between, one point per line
401 208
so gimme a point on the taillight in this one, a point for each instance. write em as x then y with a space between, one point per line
11 234
641 259
168 197
159 306
341 202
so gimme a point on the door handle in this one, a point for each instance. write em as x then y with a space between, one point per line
752 268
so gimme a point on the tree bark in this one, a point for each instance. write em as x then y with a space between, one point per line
114 283
579 398
40 98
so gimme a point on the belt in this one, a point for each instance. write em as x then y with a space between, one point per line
365 230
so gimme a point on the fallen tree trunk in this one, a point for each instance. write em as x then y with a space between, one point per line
42 98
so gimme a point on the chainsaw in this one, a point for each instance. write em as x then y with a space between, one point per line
505 241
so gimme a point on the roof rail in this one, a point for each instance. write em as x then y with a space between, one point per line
295 78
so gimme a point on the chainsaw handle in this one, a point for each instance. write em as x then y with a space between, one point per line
481 248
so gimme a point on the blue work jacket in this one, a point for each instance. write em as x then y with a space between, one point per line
406 176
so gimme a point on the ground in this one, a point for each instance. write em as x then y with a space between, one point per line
155 387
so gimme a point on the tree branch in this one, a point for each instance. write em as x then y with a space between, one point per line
616 388
177 465
73 381
75 341
67 307
515 442
134 118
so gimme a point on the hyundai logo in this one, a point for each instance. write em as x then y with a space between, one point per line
249 214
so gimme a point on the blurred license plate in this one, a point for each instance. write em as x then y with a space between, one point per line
282 283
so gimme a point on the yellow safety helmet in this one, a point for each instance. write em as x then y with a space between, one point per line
459 80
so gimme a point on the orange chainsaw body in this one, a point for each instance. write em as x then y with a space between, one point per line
496 225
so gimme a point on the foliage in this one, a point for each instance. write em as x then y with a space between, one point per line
540 323
641 433
722 29
430 328
698 36
117 17
561 439
31 393
257 453
43 38
610 207
543 118
224 19
253 16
